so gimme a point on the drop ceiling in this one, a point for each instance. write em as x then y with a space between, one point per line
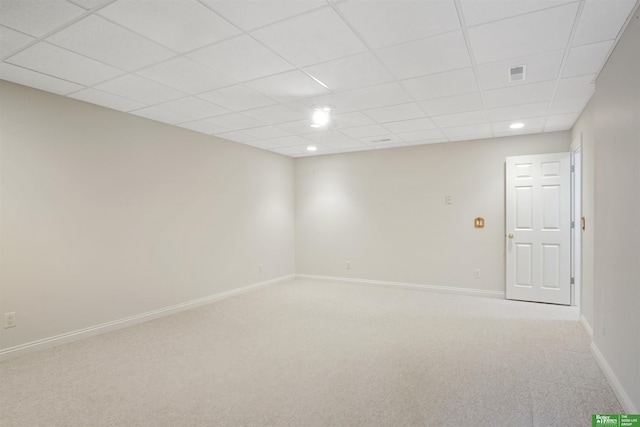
395 72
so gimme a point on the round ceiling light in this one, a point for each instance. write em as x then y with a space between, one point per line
516 125
320 117
312 148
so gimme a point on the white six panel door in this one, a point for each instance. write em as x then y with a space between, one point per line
538 228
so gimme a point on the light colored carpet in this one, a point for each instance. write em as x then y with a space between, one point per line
307 353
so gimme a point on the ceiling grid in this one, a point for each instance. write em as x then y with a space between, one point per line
395 73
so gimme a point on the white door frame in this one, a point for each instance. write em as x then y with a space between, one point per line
576 231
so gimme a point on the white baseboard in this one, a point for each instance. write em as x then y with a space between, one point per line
438 288
586 326
19 350
617 388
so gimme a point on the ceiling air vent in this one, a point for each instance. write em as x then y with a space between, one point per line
518 73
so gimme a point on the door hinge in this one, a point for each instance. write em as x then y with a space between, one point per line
573 280
573 168
573 224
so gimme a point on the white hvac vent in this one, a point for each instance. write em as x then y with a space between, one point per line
518 73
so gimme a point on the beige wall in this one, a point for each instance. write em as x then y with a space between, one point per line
616 319
106 215
385 212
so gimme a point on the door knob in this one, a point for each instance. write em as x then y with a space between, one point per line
510 236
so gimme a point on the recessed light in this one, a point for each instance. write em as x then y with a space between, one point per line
320 117
516 125
312 148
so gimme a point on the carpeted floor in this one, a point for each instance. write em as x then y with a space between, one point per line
306 353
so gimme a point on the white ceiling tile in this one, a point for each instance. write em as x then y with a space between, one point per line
237 98
384 23
37 80
180 25
335 102
288 86
236 136
515 112
442 85
468 131
351 73
11 41
569 105
521 35
161 115
560 122
203 127
587 59
88 46
365 131
349 120
241 58
477 12
194 108
140 89
453 104
108 100
347 144
288 151
538 68
601 20
422 135
274 114
100 39
380 140
574 87
300 127
172 73
524 94
266 132
285 141
384 141
304 49
376 96
460 119
327 137
395 113
89 4
531 125
250 15
37 17
406 126
235 121
427 56
55 61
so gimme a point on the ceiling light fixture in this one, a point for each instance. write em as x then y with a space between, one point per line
321 116
516 125
312 148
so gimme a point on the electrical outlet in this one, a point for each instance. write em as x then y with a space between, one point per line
348 265
448 200
10 320
476 273
259 268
